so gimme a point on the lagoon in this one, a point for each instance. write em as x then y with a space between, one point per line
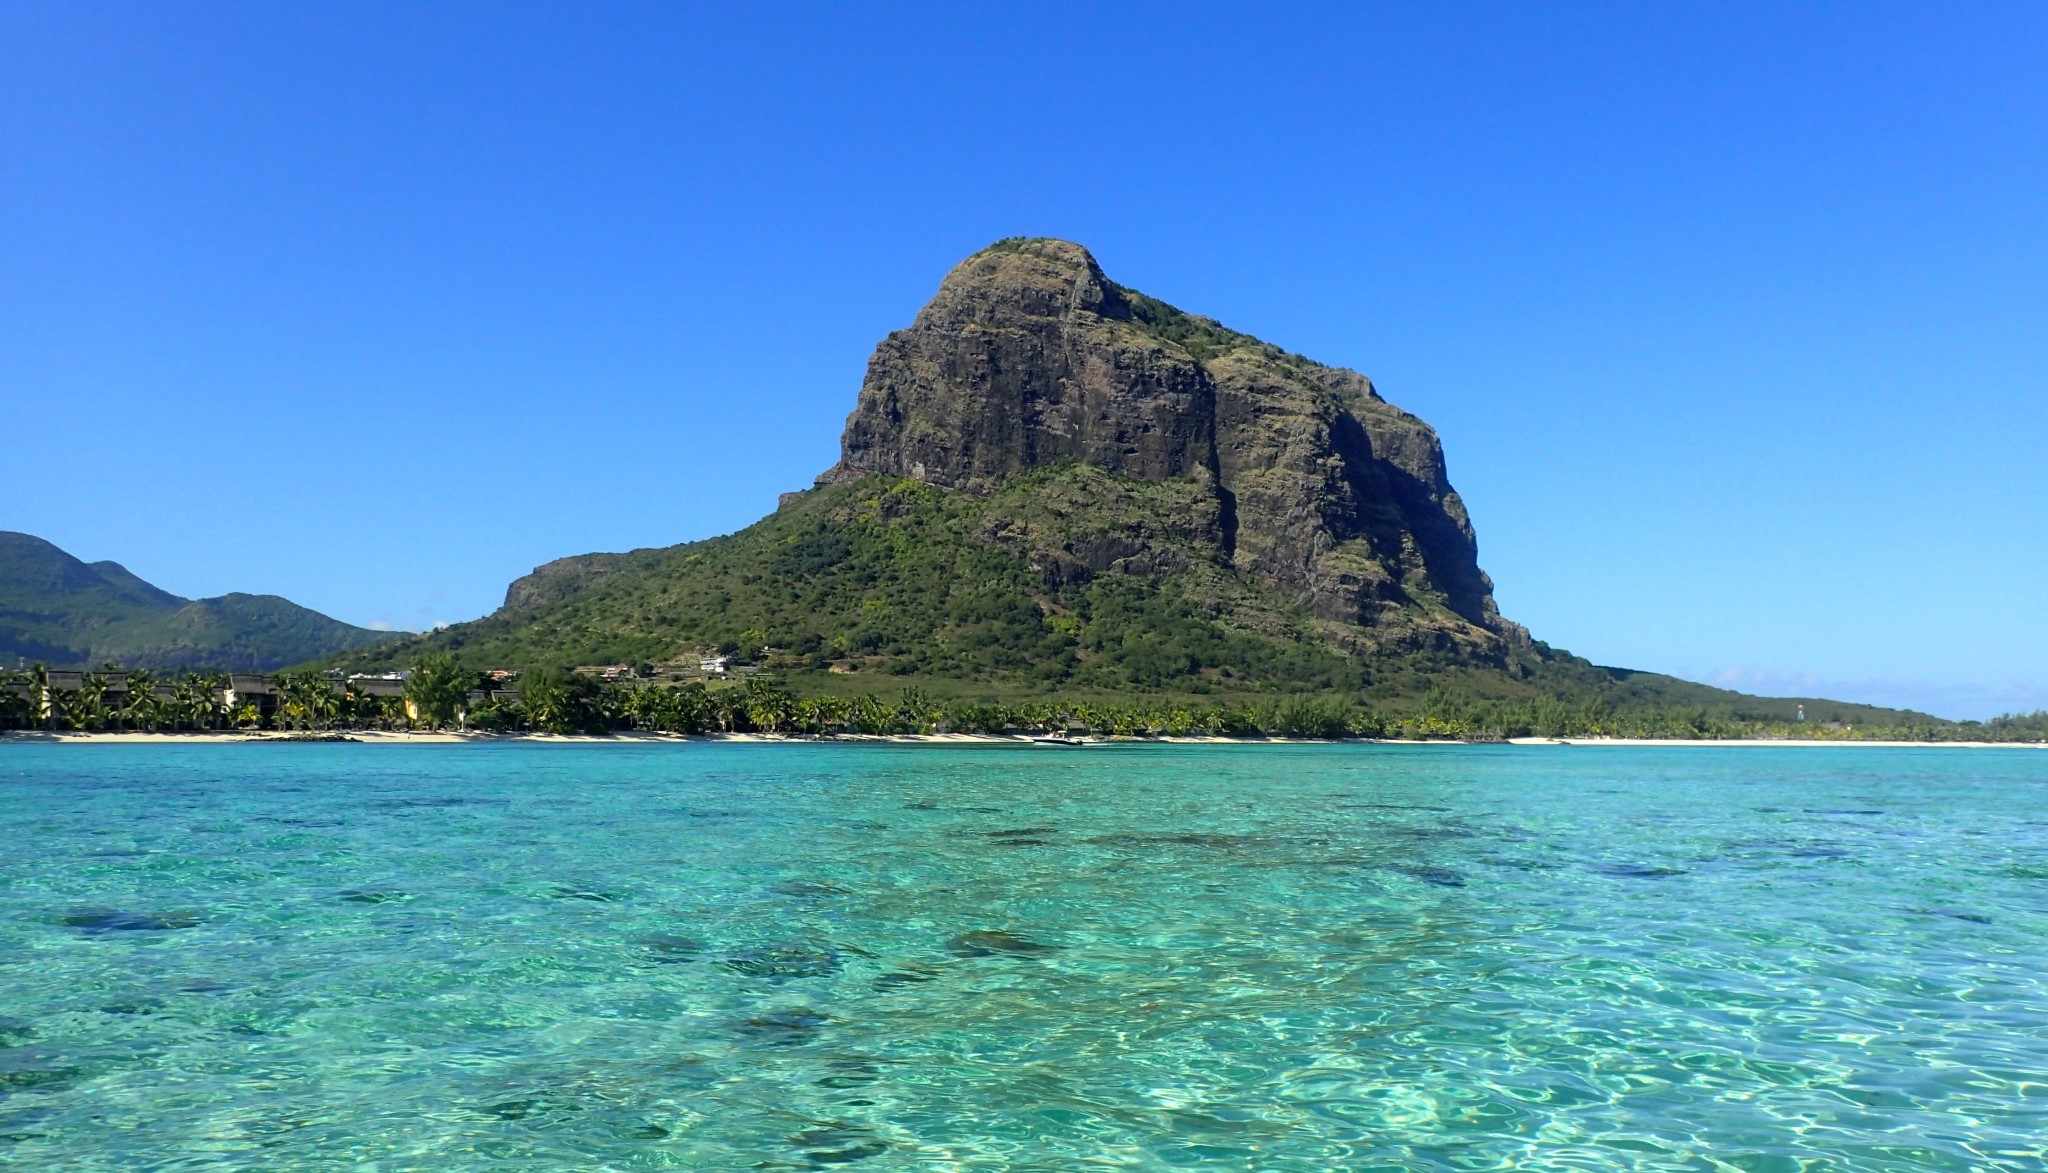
1258 957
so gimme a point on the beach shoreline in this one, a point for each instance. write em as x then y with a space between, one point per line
1770 742
450 737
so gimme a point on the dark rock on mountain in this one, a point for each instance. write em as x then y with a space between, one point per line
1029 356
1299 474
65 613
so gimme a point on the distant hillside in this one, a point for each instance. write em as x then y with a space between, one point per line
65 613
1051 483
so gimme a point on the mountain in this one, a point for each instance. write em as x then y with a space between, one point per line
66 613
1298 476
1051 481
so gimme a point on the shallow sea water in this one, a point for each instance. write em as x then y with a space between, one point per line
912 957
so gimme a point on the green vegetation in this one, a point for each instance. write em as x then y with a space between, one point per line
437 688
550 700
137 700
1203 338
892 579
58 610
885 583
1010 244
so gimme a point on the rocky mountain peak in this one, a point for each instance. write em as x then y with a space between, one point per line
1035 277
1030 356
1027 356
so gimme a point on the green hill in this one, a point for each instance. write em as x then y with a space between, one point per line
885 582
59 611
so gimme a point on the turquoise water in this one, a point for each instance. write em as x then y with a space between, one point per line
794 956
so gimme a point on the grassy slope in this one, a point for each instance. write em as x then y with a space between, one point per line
874 586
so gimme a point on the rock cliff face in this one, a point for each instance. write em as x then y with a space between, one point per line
1305 479
1029 356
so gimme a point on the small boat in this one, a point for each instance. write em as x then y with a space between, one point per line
1062 737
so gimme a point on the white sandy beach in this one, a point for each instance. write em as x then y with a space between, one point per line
1777 743
449 737
445 737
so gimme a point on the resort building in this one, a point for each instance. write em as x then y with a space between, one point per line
249 689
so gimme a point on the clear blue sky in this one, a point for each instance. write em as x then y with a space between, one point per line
1733 318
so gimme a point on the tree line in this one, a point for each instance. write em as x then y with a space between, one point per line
138 700
439 693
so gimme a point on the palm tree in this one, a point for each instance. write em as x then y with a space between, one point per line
305 700
550 700
358 708
642 708
824 714
16 698
868 714
493 715
727 710
43 704
197 700
769 707
85 707
689 708
140 708
916 713
438 688
326 703
292 707
606 705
